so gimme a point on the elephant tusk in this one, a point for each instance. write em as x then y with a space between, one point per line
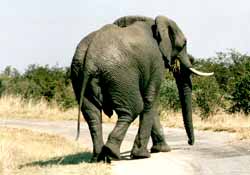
201 73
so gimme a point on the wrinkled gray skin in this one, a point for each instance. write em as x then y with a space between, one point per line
120 67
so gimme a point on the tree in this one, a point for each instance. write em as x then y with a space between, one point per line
11 72
241 92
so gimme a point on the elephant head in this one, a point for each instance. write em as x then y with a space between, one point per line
173 46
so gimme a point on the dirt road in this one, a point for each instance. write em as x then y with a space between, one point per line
212 154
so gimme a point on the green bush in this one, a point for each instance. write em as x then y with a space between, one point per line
169 96
241 95
50 83
206 96
231 70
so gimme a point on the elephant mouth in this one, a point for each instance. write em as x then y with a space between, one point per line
176 69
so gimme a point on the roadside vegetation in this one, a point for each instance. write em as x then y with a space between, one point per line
18 107
23 152
220 102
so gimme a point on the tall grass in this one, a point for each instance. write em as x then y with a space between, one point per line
18 107
235 123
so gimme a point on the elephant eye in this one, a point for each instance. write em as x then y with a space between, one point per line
180 48
185 43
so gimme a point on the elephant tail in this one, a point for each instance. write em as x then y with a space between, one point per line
83 88
84 84
85 78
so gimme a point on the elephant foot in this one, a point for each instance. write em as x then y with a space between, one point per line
107 154
140 154
103 158
160 148
94 159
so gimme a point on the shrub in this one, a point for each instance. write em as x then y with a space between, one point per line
169 96
241 95
49 83
206 96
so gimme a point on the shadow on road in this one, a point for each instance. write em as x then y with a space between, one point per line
71 159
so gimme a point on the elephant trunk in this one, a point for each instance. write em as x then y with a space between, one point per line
185 94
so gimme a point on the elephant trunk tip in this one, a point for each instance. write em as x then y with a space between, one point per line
191 141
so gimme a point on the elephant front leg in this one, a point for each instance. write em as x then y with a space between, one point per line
92 115
158 138
139 149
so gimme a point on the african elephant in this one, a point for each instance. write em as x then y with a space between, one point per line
120 67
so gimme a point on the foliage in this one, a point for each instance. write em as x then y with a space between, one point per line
232 71
206 95
230 67
241 95
52 84
169 97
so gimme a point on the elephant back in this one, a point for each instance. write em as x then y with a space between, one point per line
129 20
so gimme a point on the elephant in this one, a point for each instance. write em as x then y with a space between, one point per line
120 67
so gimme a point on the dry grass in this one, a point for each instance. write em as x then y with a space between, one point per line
17 107
20 108
23 152
235 123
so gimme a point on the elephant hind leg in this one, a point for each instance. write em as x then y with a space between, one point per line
146 120
140 145
111 150
139 149
92 115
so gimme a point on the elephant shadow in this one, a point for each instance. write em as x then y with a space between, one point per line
72 159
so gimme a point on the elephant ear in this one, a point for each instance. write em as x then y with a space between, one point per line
170 37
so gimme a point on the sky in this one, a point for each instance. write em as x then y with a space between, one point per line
48 31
